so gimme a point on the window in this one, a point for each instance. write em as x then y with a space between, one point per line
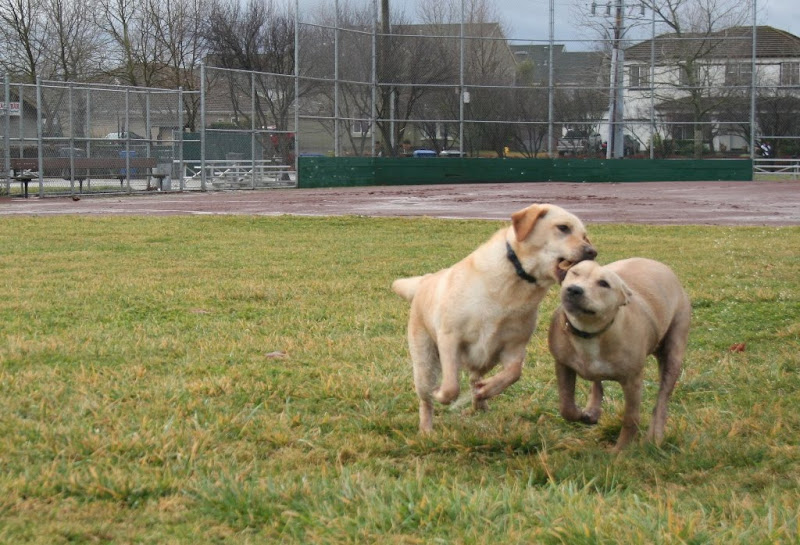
361 128
790 73
738 73
639 75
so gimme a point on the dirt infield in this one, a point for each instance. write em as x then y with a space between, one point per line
706 203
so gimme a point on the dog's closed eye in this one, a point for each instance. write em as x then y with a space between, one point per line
603 284
566 229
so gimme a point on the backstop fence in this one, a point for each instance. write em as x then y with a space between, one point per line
354 84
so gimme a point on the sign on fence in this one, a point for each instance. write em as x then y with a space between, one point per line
13 108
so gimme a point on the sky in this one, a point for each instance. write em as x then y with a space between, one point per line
529 19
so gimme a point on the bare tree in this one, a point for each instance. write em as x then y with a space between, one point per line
24 31
75 51
257 37
137 58
488 64
180 33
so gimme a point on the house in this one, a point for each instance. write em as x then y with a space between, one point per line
699 87
580 80
570 68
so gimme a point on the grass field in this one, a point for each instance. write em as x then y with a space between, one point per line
246 380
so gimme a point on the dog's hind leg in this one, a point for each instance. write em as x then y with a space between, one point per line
632 390
670 360
425 358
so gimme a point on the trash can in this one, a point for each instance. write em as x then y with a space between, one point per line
124 154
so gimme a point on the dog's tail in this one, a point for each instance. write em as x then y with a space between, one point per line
407 287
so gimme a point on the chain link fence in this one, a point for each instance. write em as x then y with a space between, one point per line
70 138
354 85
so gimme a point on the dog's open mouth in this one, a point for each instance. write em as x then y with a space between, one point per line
561 269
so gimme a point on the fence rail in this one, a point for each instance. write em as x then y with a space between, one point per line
777 168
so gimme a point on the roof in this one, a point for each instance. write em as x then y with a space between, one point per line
734 42
569 67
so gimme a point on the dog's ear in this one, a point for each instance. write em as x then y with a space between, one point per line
525 220
625 293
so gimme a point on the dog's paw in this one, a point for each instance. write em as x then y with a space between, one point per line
590 417
480 392
445 396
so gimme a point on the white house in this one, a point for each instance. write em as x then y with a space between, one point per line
697 89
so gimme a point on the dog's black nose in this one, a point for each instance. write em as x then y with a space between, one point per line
589 253
574 291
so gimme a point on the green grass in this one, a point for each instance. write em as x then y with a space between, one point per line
141 399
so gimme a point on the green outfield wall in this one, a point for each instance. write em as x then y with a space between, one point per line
366 171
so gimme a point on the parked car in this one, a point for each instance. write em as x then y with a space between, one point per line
452 153
576 142
123 136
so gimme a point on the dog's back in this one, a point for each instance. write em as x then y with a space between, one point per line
657 286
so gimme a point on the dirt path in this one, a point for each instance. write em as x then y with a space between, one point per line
711 203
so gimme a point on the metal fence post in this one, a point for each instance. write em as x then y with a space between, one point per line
753 87
7 131
88 122
297 91
202 127
652 81
39 142
71 98
550 81
128 139
180 137
373 122
461 90
336 143
253 129
148 128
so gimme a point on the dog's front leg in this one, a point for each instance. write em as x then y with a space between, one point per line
632 391
508 375
566 393
591 414
477 403
448 391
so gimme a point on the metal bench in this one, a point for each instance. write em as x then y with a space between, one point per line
25 169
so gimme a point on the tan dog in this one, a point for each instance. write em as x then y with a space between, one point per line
483 310
610 319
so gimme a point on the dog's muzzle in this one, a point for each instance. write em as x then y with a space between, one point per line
574 292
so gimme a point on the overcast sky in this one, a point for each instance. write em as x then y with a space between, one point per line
529 19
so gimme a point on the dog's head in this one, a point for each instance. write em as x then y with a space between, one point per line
591 294
549 240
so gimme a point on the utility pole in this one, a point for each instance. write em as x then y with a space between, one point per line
616 138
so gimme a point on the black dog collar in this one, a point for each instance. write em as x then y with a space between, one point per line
512 257
584 334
